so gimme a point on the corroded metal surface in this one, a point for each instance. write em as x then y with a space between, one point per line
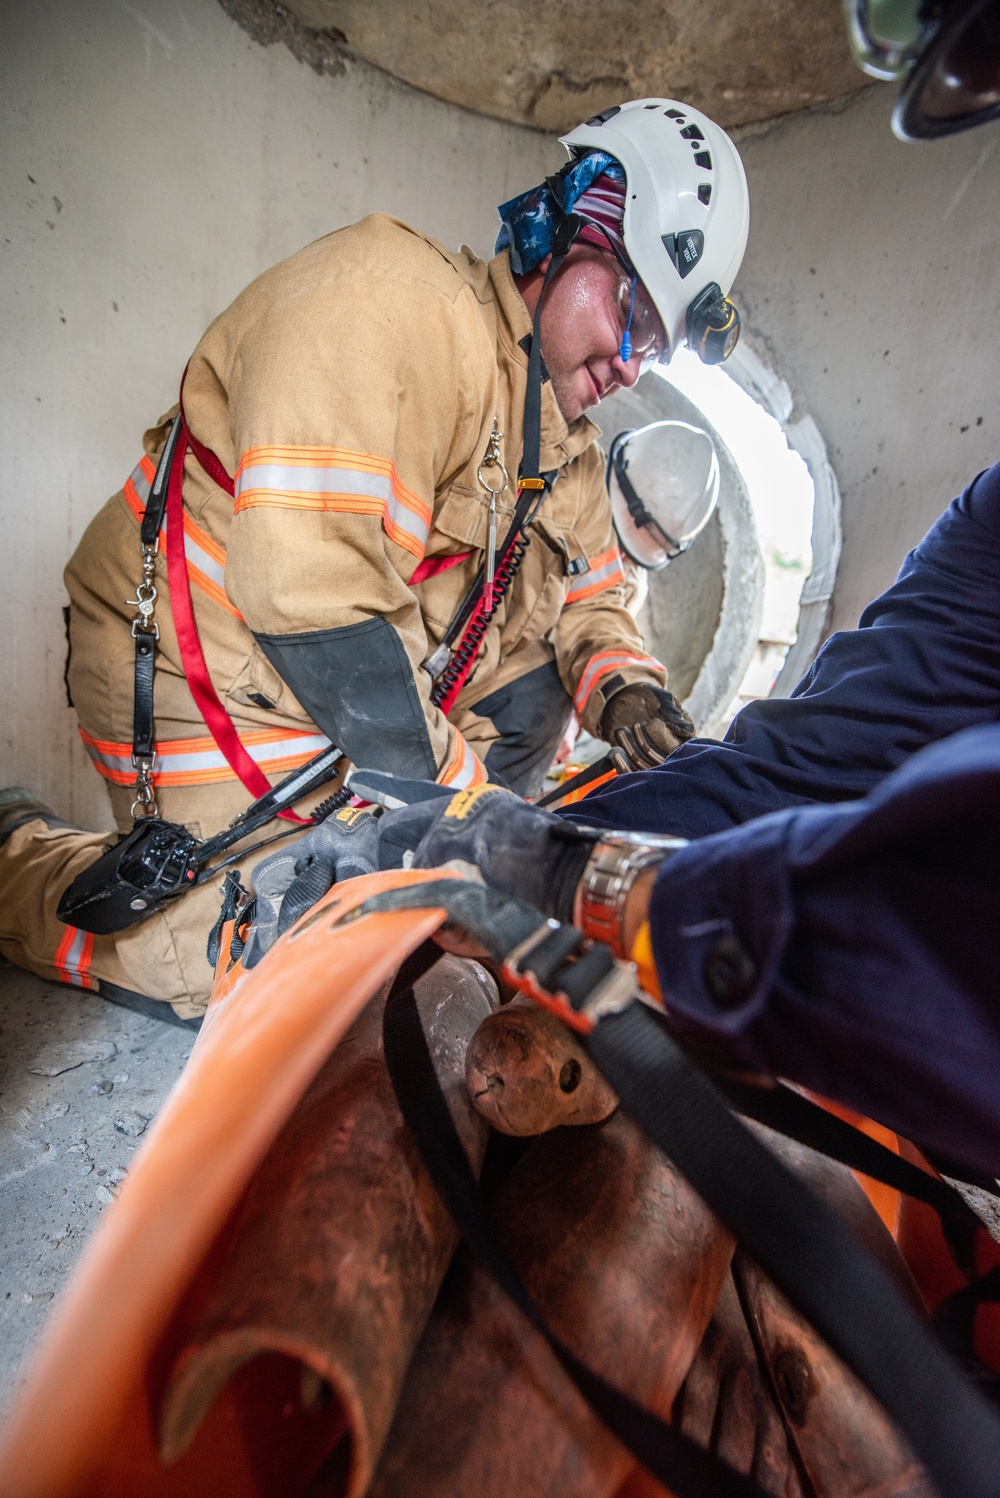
526 1073
845 1443
341 1243
553 65
626 1264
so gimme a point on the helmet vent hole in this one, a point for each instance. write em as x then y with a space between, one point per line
705 193
673 114
692 133
703 158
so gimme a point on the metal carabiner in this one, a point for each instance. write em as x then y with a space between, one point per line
492 458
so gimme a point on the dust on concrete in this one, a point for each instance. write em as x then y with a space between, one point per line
66 1140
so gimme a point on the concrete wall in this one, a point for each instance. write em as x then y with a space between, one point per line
872 285
155 160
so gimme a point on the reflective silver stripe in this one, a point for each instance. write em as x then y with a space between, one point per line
200 558
109 761
613 568
140 483
292 479
306 744
73 959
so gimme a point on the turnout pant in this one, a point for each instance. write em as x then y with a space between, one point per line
164 957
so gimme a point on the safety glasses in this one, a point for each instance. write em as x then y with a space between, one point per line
638 316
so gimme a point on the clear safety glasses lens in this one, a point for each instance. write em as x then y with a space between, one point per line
646 331
955 83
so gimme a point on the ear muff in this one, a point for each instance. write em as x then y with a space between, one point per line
955 82
713 325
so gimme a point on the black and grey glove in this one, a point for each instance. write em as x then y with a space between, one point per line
357 840
643 724
288 883
493 835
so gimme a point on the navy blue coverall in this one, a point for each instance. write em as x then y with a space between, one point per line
848 841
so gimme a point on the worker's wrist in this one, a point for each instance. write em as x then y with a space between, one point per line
604 907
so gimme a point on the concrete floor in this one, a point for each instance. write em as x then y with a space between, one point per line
66 1140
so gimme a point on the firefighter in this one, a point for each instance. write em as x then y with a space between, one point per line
357 437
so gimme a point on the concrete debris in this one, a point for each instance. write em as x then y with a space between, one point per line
101 1088
65 1055
131 1124
57 1110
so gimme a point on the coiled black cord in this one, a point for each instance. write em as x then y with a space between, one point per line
330 805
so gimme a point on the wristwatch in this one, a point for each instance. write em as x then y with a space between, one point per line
616 861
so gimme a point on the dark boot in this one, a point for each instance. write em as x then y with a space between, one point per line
18 806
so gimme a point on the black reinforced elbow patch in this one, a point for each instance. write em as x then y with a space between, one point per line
356 683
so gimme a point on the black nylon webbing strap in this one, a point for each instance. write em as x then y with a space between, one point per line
576 782
143 736
152 518
806 1250
672 1457
795 1116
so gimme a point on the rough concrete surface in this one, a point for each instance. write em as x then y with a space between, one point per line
552 65
66 1140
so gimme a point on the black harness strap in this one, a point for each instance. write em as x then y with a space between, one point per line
145 632
805 1249
676 1460
790 1113
799 1242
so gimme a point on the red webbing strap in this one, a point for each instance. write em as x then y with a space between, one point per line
220 724
431 566
206 457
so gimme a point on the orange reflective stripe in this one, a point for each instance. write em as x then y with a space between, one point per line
73 957
603 664
206 559
334 479
200 761
464 768
606 571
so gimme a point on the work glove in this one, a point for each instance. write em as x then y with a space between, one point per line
493 836
288 883
643 724
356 840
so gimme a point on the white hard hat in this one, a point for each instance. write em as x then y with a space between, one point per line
687 214
664 486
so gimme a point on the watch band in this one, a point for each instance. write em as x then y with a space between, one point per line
616 860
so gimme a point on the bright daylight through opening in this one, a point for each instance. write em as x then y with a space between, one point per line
781 493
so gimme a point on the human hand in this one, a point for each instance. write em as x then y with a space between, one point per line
643 724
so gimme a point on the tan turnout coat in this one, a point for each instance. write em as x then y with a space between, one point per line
351 390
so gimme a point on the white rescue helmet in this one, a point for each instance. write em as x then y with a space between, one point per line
664 485
687 214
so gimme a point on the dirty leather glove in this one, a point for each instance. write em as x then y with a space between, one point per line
491 834
643 724
288 883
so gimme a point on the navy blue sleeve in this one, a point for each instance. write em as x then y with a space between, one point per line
923 663
854 948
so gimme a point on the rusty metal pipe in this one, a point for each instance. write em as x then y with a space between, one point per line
527 1074
339 1248
626 1263
768 1396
